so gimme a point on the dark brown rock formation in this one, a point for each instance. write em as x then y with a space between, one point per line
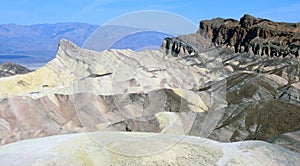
256 35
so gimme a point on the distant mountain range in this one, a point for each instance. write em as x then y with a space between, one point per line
40 39
35 45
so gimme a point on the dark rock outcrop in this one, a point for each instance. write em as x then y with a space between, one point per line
186 45
9 69
254 35
177 46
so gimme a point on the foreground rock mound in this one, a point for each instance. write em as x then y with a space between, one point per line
114 148
255 35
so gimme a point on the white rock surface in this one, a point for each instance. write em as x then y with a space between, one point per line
114 148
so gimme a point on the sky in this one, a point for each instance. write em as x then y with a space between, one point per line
27 12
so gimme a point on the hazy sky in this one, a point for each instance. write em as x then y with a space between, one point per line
101 11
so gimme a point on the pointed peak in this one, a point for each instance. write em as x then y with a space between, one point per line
247 21
248 16
65 44
66 47
64 41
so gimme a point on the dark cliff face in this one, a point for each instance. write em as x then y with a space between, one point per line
254 35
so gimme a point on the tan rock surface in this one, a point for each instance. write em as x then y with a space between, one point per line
157 111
